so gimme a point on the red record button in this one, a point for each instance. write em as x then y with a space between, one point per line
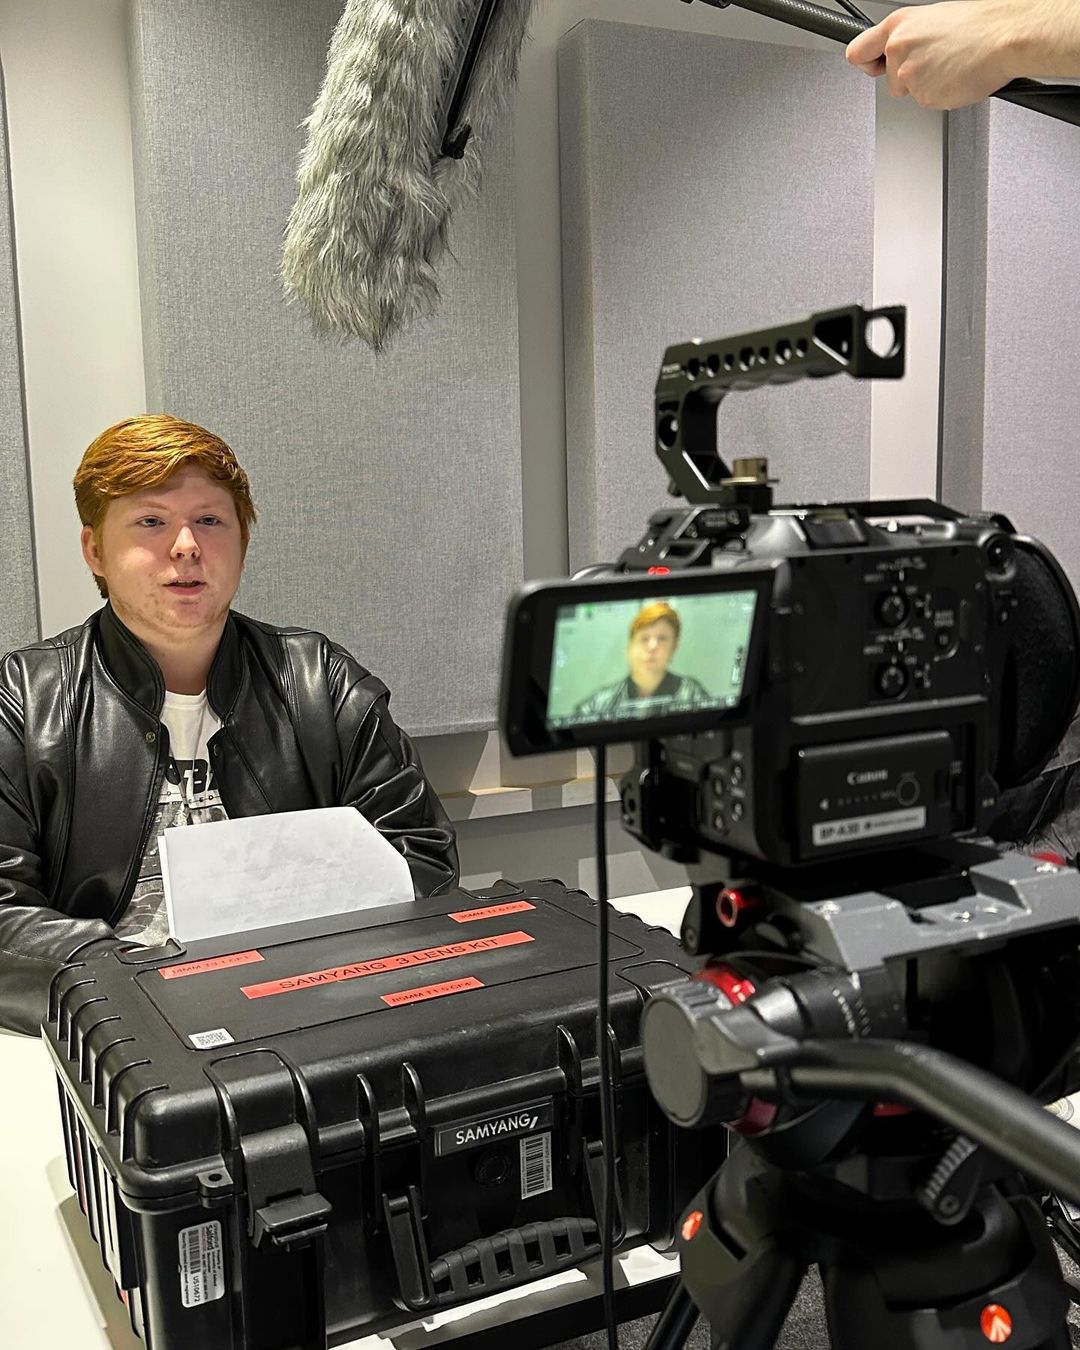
691 1224
996 1323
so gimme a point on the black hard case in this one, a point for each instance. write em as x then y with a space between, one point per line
365 1138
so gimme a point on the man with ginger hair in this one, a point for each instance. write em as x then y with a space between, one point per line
167 707
649 686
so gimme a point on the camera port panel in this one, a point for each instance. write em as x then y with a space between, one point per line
895 624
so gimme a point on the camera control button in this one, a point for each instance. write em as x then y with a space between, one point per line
892 681
892 610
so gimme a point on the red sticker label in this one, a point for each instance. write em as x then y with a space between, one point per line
431 991
382 964
490 911
211 963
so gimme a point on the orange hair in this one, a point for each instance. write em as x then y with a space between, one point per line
144 452
650 614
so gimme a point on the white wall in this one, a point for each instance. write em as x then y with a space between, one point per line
65 63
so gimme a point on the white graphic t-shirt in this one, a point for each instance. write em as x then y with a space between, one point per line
188 797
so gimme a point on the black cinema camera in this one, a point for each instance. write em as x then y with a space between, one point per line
832 708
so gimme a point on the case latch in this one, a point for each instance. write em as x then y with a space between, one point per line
283 1205
291 1222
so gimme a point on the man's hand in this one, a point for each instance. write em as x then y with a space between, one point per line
950 54
945 55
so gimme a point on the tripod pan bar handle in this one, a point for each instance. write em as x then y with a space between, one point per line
985 1108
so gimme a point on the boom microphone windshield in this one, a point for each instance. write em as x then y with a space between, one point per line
375 188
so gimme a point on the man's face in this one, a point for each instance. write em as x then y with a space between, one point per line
171 556
649 654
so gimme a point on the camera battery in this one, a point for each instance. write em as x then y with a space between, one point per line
333 1126
888 790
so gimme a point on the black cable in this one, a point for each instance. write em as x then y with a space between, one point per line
603 1044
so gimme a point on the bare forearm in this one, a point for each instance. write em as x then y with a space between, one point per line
1043 37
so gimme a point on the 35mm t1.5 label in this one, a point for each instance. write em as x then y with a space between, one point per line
512 1124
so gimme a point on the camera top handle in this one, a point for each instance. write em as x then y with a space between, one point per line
695 376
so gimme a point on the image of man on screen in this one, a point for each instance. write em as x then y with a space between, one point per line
650 686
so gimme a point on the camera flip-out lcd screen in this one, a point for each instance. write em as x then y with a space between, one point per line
626 658
614 659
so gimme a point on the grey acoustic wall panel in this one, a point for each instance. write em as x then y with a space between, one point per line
709 186
19 611
389 486
963 392
1011 429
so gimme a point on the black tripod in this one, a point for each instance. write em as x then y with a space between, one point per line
893 1277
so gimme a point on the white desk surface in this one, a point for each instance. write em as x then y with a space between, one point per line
55 1294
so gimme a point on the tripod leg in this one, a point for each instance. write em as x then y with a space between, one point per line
676 1321
741 1266
748 1302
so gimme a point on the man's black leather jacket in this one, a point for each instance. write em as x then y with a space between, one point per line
83 754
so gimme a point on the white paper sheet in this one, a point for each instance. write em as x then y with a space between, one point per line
257 871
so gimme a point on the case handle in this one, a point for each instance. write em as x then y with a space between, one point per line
502 1261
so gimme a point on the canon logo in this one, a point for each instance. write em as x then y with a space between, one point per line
858 777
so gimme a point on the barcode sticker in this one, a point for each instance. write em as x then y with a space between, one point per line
202 1265
535 1165
206 1040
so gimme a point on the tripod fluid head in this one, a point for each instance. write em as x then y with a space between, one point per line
880 1052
